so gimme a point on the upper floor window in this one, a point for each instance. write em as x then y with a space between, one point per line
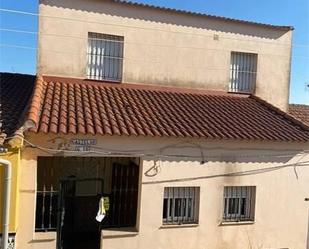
180 205
243 71
105 57
239 203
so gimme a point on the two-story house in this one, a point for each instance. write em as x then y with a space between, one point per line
176 118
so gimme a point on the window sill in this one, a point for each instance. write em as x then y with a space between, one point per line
235 223
241 92
104 80
179 226
119 232
44 236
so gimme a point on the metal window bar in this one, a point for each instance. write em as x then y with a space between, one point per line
239 203
123 198
243 71
46 210
180 205
105 57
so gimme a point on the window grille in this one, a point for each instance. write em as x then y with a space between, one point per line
243 70
239 203
46 210
105 57
180 205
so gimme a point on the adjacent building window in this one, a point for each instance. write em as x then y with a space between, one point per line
239 203
243 71
180 205
105 57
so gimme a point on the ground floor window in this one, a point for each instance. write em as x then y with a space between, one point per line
85 180
46 209
239 203
180 205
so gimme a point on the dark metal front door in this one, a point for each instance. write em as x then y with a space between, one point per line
78 206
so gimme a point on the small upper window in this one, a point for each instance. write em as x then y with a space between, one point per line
239 203
105 57
243 71
180 205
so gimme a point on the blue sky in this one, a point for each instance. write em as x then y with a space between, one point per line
284 12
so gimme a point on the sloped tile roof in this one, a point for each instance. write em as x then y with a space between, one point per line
300 112
15 94
66 105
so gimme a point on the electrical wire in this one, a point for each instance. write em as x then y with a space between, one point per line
137 59
131 59
124 42
231 174
157 164
178 145
17 46
147 153
115 41
138 27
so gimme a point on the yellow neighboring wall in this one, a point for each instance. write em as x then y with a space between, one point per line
13 155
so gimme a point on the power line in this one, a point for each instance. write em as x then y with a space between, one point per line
131 59
145 28
185 144
135 59
127 59
157 157
19 31
233 174
17 46
125 41
19 12
146 153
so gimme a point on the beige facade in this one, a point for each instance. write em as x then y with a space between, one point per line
166 48
281 214
163 47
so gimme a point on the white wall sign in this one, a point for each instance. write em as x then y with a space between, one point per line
82 144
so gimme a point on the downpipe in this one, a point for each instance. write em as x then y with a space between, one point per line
6 202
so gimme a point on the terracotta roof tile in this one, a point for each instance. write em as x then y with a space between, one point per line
15 93
300 112
66 105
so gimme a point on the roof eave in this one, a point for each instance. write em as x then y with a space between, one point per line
179 11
